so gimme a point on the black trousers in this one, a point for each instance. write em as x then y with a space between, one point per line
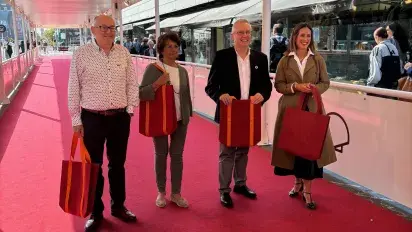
113 130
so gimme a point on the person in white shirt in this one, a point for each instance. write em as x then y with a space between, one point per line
385 66
102 95
176 75
237 73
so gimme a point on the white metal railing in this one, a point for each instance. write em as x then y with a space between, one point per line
334 84
379 155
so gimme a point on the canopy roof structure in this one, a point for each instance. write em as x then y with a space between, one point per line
65 13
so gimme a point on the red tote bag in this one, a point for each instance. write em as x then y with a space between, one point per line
303 133
240 123
158 117
78 182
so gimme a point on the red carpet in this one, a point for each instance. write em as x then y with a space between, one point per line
35 136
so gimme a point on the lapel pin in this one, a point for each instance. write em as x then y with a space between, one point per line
256 67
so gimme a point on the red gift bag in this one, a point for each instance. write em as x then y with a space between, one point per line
303 133
158 117
78 182
240 123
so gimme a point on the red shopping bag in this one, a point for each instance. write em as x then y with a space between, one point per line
303 133
240 123
78 182
158 117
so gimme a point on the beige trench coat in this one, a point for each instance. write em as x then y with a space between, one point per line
288 73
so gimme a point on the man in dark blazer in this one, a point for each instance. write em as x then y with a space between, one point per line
237 73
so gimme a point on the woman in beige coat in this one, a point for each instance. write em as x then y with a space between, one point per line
301 68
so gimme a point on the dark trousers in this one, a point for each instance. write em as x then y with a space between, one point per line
162 148
232 161
114 131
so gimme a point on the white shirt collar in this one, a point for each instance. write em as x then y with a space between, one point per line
247 55
310 53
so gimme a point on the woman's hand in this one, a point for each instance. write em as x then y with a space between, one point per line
304 88
163 79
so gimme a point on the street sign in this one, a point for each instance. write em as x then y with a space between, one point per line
2 28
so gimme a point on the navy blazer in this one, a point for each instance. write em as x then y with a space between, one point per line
224 77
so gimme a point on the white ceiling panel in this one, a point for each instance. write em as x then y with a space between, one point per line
62 13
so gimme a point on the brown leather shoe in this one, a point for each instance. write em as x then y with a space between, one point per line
93 223
124 214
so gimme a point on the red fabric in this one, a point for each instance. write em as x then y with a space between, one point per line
240 124
79 183
160 119
303 133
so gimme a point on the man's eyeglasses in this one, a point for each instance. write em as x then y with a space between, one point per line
106 28
242 33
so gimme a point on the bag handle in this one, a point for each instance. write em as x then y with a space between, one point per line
159 67
304 98
85 157
339 147
84 154
162 70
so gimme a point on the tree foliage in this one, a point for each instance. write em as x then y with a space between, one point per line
49 35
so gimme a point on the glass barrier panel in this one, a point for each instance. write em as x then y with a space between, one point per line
8 77
202 102
15 69
189 69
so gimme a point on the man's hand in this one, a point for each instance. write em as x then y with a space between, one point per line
408 65
79 130
226 98
258 98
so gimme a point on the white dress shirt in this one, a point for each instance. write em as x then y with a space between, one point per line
244 75
301 65
175 81
98 81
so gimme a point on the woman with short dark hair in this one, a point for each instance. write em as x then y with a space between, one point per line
177 76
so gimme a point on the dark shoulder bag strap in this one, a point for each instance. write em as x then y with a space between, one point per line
339 147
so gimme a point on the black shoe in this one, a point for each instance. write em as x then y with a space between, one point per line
294 193
226 200
124 214
245 191
93 223
311 205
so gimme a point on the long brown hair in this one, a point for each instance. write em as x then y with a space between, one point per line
295 33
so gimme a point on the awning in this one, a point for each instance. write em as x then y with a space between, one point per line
176 21
215 23
250 10
222 16
144 22
143 10
127 27
318 6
